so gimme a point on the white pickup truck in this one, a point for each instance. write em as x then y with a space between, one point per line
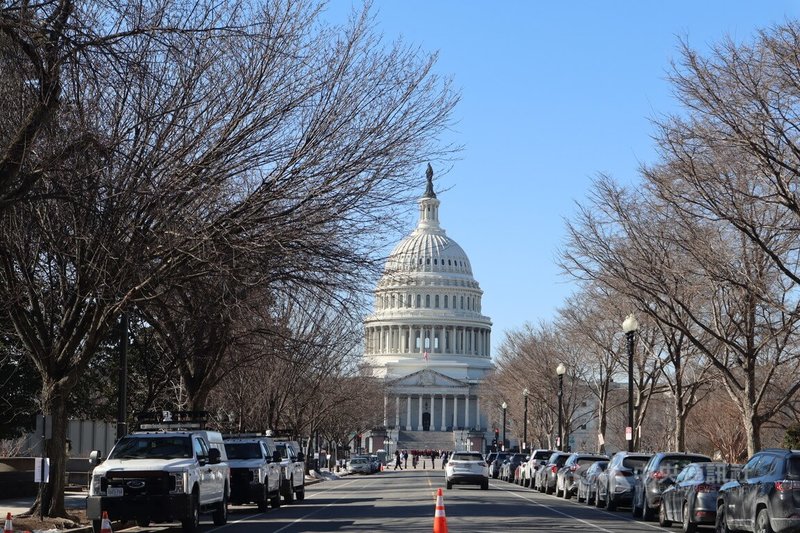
294 470
161 476
256 473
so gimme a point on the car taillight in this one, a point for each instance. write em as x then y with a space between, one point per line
657 474
573 468
705 487
786 485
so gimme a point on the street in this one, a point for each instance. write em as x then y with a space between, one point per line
404 501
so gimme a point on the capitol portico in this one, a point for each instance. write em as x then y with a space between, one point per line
428 339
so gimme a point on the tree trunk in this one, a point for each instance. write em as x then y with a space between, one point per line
51 500
679 431
602 426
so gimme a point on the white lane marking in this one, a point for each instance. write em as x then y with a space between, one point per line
317 510
614 515
246 518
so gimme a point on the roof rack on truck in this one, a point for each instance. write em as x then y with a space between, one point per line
172 420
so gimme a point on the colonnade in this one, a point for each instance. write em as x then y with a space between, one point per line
432 339
447 412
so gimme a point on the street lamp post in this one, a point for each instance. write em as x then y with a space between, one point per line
629 326
504 406
525 420
560 370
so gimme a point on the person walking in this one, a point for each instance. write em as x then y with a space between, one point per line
397 460
405 459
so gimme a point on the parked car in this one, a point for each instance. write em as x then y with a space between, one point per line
360 465
494 467
566 477
765 496
537 460
615 485
375 463
692 499
509 466
587 481
546 476
467 468
659 472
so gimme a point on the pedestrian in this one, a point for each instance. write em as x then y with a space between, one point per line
405 459
397 460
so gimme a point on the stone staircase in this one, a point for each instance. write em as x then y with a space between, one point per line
425 440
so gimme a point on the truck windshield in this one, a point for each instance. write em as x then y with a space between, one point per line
243 450
152 447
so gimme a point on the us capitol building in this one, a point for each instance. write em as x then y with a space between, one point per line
429 341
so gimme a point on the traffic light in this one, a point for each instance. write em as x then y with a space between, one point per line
497 434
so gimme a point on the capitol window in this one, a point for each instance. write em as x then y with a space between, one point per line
445 301
436 301
419 300
427 300
462 302
408 300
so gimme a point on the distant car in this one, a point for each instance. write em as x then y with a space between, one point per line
692 499
360 465
615 485
375 463
467 468
659 472
567 475
537 460
494 467
509 467
765 496
546 476
587 481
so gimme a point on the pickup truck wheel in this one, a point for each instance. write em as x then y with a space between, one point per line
191 522
263 501
288 496
301 494
220 515
275 501
762 522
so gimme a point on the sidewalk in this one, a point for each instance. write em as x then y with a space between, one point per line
15 506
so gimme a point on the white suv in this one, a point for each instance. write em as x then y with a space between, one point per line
467 468
294 470
161 476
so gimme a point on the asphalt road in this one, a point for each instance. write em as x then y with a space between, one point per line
404 501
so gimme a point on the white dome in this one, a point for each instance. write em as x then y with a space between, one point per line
425 251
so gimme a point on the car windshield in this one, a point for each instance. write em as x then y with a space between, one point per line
460 456
358 461
243 450
673 465
152 447
542 455
282 448
793 467
635 463
587 460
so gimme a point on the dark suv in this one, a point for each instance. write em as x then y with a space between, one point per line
659 472
766 495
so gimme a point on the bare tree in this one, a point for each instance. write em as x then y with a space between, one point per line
230 134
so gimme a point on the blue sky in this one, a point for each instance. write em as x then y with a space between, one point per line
553 93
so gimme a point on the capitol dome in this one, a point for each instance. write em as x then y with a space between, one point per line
427 337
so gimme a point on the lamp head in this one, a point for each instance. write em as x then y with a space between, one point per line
504 405
630 324
561 369
525 391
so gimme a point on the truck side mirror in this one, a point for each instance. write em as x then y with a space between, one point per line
96 457
301 456
276 456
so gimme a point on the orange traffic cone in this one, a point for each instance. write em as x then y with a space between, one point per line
439 519
8 528
105 525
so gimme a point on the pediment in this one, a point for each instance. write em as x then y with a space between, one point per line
426 378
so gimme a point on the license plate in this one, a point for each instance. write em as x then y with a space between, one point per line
115 491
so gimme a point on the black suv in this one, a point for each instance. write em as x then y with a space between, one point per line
658 474
766 495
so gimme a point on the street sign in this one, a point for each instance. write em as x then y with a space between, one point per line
41 473
628 433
